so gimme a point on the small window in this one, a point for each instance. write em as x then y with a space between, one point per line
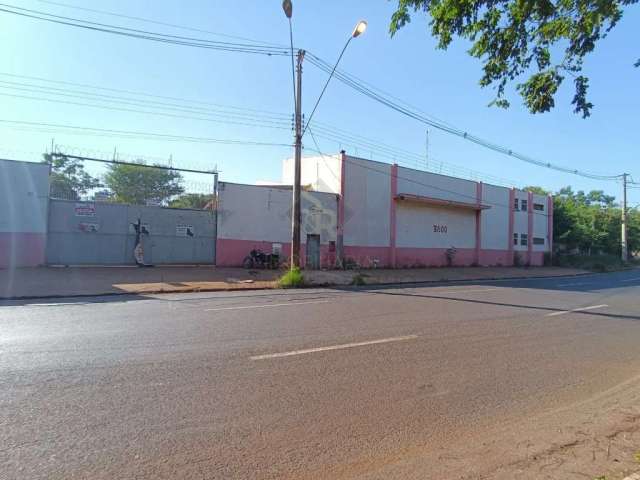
538 206
538 241
523 205
515 239
524 240
515 204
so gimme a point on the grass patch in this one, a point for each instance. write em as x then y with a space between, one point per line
292 279
595 263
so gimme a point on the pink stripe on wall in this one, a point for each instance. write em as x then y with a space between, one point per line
392 214
529 227
512 197
22 249
478 222
550 224
341 200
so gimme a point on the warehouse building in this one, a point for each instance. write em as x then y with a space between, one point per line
357 211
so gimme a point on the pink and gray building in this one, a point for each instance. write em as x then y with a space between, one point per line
376 214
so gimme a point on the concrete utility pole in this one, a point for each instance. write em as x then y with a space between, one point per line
296 212
624 218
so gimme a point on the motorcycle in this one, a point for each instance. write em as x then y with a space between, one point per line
258 259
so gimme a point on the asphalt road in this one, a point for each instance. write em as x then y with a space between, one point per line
375 383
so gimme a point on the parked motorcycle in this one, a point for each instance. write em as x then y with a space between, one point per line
258 259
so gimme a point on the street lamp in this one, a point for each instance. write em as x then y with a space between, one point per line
296 214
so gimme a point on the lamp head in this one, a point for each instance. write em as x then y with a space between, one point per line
359 29
287 6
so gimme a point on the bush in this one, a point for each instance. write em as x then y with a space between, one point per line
596 263
358 280
292 279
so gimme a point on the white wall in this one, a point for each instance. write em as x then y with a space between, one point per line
416 182
24 193
321 173
540 223
415 226
494 223
367 203
259 213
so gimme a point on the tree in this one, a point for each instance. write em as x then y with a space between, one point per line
198 201
514 38
141 184
68 178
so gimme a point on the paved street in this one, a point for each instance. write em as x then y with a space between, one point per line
461 380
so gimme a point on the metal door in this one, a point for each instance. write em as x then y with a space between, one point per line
313 252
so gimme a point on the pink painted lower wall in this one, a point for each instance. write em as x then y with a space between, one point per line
22 249
367 256
231 252
433 257
489 258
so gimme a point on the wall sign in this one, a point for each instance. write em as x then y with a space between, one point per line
88 227
439 228
185 231
85 209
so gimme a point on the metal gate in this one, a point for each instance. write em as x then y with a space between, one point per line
96 233
313 251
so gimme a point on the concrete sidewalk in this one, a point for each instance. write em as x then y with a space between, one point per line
89 281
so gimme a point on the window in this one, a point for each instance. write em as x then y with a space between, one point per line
515 204
538 241
524 240
523 205
538 206
515 239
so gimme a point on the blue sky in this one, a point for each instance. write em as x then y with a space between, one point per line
442 83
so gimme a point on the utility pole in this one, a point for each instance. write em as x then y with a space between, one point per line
296 214
624 218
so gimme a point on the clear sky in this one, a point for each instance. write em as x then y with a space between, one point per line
442 83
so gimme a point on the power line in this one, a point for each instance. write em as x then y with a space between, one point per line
142 134
156 22
141 103
144 94
143 34
262 124
412 113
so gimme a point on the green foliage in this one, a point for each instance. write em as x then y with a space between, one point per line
519 39
68 178
536 190
138 184
292 279
191 200
591 223
358 280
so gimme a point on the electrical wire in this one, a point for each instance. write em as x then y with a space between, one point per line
145 135
156 22
143 34
262 124
144 94
411 113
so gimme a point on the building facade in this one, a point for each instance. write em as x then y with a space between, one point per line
379 215
24 194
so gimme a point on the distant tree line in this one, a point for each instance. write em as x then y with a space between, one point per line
591 223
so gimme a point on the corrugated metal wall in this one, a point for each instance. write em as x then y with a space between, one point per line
87 233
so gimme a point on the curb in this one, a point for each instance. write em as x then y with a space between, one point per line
319 285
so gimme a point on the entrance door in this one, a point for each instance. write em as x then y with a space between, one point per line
313 252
